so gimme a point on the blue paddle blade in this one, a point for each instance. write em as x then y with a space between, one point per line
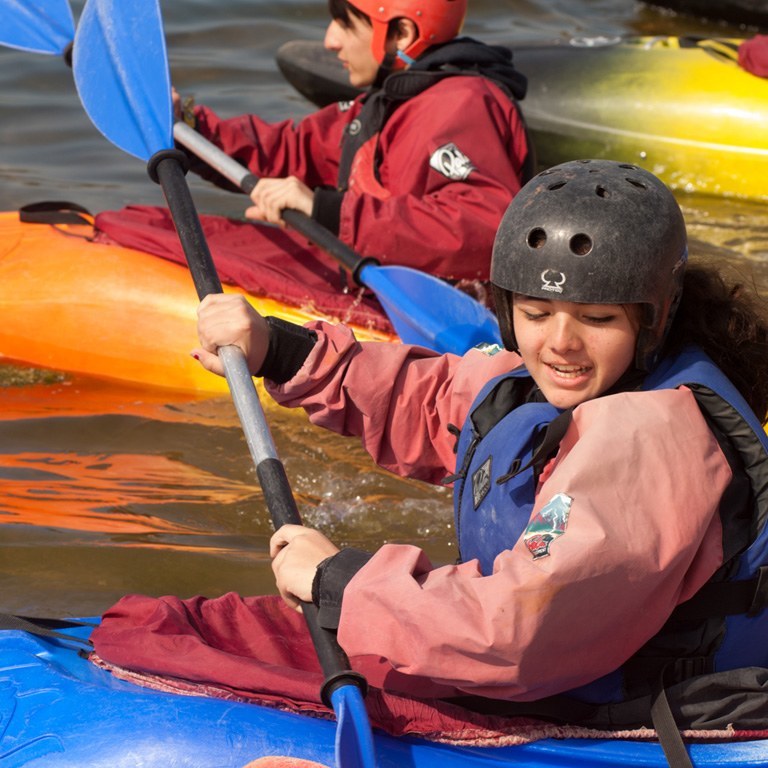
121 73
354 740
410 297
40 26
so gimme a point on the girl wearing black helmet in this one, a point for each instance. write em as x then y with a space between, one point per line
426 189
609 478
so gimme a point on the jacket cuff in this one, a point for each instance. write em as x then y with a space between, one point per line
289 346
326 208
331 578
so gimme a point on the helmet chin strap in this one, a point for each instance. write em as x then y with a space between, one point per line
385 70
389 64
405 58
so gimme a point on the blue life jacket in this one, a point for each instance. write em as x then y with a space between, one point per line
506 441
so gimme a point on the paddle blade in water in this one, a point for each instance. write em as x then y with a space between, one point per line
121 73
40 26
410 298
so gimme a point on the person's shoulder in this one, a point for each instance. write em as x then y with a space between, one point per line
658 411
470 84
456 97
345 108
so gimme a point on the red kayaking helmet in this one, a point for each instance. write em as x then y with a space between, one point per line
437 21
594 232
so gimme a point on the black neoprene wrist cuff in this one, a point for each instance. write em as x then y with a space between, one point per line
331 578
326 208
204 171
289 347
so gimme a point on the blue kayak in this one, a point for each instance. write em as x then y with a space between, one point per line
58 709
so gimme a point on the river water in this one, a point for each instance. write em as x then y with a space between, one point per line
105 489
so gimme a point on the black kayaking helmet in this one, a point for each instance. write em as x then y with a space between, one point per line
593 232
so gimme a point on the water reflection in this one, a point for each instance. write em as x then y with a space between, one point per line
108 489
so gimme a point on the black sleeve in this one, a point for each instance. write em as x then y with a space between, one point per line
196 164
331 578
289 347
206 172
326 208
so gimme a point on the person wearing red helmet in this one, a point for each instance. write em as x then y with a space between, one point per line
416 171
433 22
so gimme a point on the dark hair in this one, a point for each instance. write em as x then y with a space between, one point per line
730 323
342 10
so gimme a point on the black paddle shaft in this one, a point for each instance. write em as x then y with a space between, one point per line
297 220
168 168
318 234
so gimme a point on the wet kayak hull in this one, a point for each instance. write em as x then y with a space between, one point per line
69 304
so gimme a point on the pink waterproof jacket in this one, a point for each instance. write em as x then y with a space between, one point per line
645 475
422 210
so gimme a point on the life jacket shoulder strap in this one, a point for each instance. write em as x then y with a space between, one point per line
726 598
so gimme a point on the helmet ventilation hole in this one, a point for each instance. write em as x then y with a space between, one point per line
601 191
537 238
581 244
636 183
556 185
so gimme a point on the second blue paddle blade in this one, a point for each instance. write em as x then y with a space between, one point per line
426 311
119 51
40 26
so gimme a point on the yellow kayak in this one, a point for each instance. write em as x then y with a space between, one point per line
73 305
681 107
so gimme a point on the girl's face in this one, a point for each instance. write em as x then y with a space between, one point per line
352 45
574 352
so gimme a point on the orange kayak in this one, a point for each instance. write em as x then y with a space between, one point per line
69 304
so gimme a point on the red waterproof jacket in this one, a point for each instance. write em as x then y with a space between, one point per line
753 55
646 476
408 201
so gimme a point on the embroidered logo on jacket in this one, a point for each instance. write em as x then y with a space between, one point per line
345 106
488 349
547 525
481 482
451 162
